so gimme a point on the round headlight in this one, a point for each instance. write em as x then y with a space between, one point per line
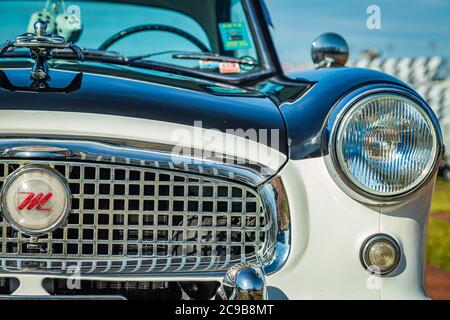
386 145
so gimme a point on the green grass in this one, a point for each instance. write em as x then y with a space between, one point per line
441 197
438 242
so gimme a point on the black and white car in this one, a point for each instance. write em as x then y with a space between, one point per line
155 150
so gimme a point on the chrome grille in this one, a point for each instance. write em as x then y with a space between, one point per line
131 290
138 220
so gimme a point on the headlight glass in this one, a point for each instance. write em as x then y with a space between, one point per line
386 144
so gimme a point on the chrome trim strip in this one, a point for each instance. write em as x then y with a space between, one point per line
130 152
274 198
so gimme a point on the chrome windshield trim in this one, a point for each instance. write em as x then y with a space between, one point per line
131 152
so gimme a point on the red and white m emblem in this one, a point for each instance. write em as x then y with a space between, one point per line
33 201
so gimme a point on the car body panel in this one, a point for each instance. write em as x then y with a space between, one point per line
218 106
39 123
305 118
329 228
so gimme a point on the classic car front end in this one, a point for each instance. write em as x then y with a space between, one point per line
188 166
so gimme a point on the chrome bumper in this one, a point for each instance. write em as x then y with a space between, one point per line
243 282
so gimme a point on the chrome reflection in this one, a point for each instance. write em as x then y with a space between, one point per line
130 152
153 155
329 50
243 282
275 201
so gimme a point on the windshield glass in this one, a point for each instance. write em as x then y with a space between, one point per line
155 28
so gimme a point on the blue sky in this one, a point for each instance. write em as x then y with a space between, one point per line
408 27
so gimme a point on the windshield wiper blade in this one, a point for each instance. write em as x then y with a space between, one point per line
214 57
89 54
197 56
95 55
149 55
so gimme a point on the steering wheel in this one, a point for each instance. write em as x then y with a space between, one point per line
151 27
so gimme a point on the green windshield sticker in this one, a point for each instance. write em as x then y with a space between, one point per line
234 35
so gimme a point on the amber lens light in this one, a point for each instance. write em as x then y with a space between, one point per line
386 145
381 254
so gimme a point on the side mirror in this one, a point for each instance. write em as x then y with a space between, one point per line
329 50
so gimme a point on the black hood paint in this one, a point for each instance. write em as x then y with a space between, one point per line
145 94
297 105
305 117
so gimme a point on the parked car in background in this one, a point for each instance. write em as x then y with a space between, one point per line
158 151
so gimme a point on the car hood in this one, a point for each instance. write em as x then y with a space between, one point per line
105 91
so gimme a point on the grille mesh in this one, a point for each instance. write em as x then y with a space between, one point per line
131 290
133 219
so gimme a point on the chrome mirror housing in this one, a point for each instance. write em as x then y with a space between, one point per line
329 50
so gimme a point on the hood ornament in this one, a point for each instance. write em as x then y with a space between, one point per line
41 45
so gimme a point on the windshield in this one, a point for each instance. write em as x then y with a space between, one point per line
147 30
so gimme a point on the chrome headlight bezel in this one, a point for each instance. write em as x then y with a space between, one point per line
344 109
